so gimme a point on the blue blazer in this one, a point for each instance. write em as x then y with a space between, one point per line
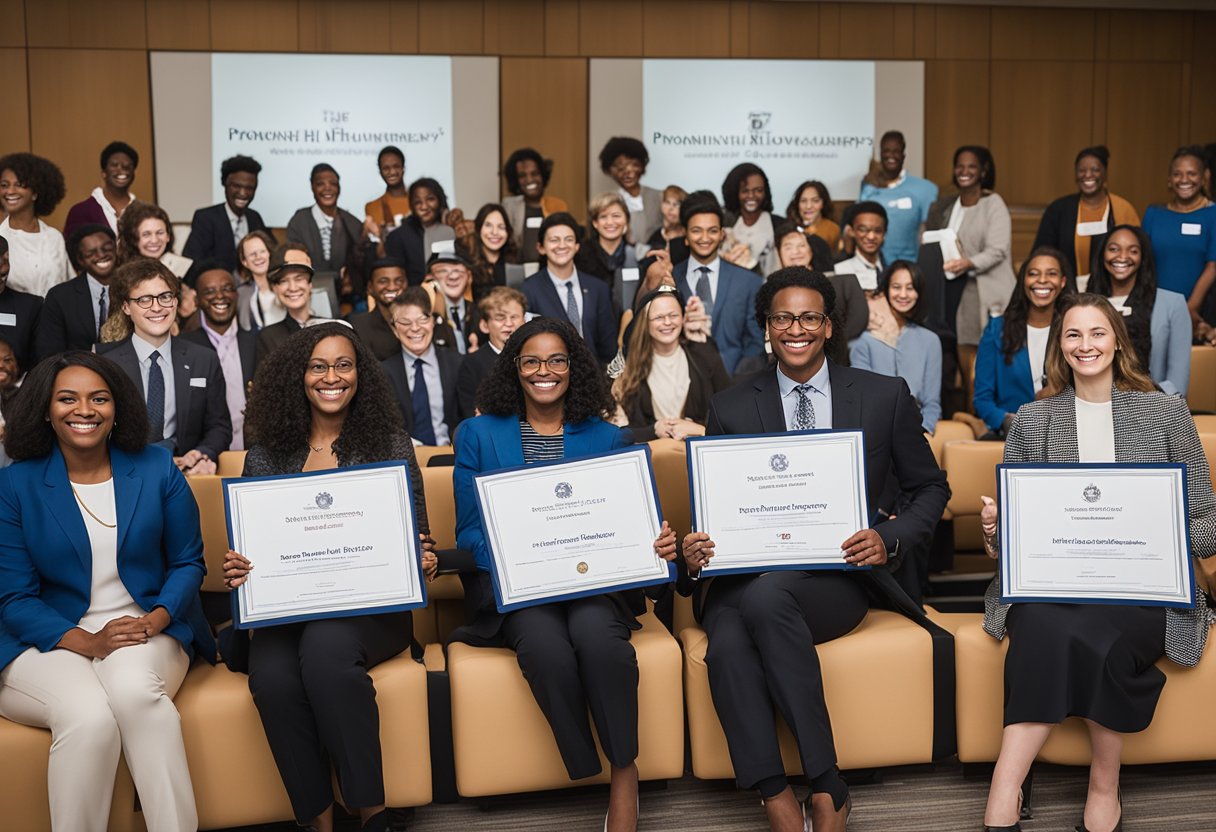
599 320
46 561
735 330
1000 388
488 443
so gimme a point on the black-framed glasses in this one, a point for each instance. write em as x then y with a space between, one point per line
530 365
343 367
164 299
811 321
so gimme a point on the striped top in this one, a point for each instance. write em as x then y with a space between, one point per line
539 448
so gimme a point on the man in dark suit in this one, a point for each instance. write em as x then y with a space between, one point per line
335 237
500 313
216 231
217 298
761 626
19 315
74 311
375 327
423 378
453 275
726 291
560 291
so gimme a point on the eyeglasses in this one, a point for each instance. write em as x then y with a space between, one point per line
811 321
164 299
530 365
668 318
343 367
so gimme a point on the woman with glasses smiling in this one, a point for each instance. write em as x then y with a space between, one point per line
546 399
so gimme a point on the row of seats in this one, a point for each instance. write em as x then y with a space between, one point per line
501 744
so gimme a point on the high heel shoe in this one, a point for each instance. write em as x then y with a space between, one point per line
1024 807
1118 823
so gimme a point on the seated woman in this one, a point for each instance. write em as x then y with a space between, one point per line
527 176
916 355
264 307
665 388
490 249
1093 661
319 402
797 248
607 252
812 210
750 221
546 399
101 561
408 241
1009 364
1158 321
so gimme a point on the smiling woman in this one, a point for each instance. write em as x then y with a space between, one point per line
31 188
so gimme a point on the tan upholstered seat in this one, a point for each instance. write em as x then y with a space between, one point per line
503 745
1179 732
886 652
1201 393
230 464
445 595
209 494
971 471
948 431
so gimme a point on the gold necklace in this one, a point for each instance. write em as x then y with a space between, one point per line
89 511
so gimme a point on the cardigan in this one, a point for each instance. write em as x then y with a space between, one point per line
1149 427
985 237
916 358
1058 226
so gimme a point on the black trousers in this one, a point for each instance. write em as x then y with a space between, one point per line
317 704
576 655
762 634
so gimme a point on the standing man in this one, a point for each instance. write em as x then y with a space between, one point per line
217 298
75 311
906 198
216 232
375 327
19 315
423 378
108 200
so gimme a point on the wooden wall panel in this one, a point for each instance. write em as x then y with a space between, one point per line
15 126
12 32
829 30
515 27
345 26
74 87
868 29
1026 34
1035 136
956 112
924 32
561 27
962 32
114 24
611 28
671 28
1143 137
262 26
783 30
179 24
450 27
403 26
1151 36
740 28
529 118
1203 81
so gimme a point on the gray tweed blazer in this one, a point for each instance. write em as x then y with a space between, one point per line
1149 427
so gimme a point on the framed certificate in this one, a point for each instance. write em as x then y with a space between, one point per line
778 501
325 544
1095 534
572 527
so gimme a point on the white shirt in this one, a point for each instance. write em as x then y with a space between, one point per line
143 351
694 276
239 225
96 291
560 286
633 203
1036 350
866 272
434 388
99 196
108 595
325 225
820 395
1095 431
38 260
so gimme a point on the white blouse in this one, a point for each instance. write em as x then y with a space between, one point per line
38 261
108 596
1095 431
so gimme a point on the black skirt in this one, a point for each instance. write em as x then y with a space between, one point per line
1093 661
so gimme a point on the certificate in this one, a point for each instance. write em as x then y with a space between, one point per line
571 528
778 501
1095 534
325 544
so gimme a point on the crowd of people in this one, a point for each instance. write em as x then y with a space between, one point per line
522 336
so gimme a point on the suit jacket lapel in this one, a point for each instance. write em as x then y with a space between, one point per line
680 273
508 443
181 383
549 293
84 307
846 399
127 486
246 345
724 284
1062 432
1128 430
768 403
62 504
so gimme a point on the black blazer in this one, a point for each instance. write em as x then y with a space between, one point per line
375 333
475 367
203 422
345 247
1058 229
69 319
706 376
599 322
271 337
211 235
449 367
406 243
26 311
246 343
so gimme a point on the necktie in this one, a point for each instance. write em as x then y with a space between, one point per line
572 308
454 317
804 411
424 431
156 400
704 292
101 313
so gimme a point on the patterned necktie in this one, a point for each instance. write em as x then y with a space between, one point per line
572 308
704 292
156 400
101 313
804 411
424 431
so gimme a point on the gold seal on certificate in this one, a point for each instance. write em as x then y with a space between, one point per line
325 544
1090 533
778 501
570 528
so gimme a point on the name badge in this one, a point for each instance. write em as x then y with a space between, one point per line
443 247
629 275
1192 229
198 382
534 222
1091 229
904 203
9 319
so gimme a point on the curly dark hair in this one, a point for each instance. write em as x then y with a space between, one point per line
128 228
42 176
28 434
793 277
501 394
77 236
1013 332
737 176
525 154
279 417
239 164
623 146
119 147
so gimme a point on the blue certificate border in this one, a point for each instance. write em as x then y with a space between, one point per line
1003 531
844 566
226 482
586 593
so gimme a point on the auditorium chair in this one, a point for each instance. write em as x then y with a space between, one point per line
230 464
948 431
1201 393
971 471
445 595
